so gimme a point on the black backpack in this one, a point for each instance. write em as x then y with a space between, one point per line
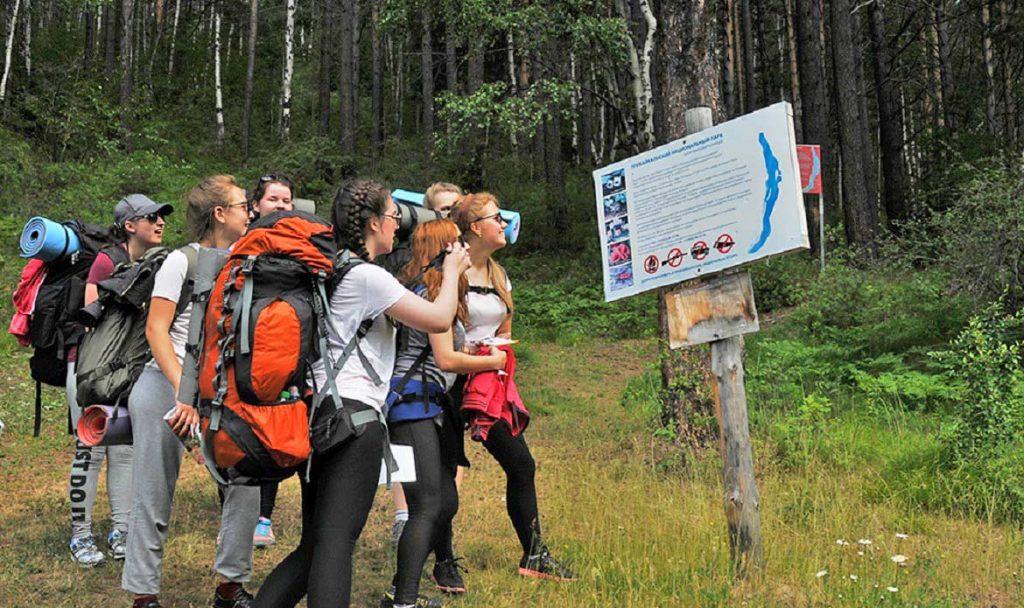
54 328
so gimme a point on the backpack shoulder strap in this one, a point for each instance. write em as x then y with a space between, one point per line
117 254
191 256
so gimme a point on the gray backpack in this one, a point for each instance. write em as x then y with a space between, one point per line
111 356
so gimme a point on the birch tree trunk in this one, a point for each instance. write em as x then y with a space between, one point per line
427 78
12 22
218 92
250 72
289 61
990 70
640 69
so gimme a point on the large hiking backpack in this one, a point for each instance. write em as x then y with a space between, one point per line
265 325
111 356
54 329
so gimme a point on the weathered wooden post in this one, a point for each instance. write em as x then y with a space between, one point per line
719 311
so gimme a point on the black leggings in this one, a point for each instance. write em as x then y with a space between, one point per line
433 502
514 456
335 505
268 498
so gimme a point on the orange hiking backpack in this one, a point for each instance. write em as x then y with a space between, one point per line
265 325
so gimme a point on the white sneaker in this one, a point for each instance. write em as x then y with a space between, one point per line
85 553
116 541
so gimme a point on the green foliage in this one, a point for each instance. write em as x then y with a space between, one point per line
779 283
313 163
16 168
798 433
985 358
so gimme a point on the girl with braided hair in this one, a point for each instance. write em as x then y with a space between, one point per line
343 480
490 315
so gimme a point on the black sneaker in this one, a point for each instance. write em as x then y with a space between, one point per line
542 565
446 576
239 599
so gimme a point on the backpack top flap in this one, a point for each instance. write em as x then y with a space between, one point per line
300 236
132 285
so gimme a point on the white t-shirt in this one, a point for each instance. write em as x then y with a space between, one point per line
486 314
365 293
167 284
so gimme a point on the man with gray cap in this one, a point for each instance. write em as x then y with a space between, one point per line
138 227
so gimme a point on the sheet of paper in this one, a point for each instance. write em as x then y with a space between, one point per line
406 472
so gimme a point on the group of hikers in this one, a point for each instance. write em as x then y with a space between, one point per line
420 329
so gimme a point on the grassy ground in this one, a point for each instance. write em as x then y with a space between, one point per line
639 530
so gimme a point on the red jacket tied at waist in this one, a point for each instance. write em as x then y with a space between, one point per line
32 276
492 396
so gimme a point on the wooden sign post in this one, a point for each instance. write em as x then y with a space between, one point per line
720 310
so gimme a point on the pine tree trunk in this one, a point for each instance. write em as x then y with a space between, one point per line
945 67
250 74
869 151
751 101
690 79
110 39
11 24
346 138
356 29
324 78
90 39
451 64
586 115
26 38
762 65
475 65
729 84
289 64
890 121
859 211
794 71
377 85
427 78
218 92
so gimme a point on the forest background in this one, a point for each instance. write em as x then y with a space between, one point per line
888 382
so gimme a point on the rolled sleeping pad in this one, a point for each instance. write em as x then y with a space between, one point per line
47 240
105 425
512 217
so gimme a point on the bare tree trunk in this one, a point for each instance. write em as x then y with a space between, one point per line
26 38
127 46
475 65
427 79
868 148
109 32
990 70
289 64
751 101
324 79
794 70
377 85
90 38
250 73
860 212
640 67
586 115
356 29
451 63
730 86
218 92
890 122
12 23
945 66
690 79
346 137
761 66
174 37
1009 106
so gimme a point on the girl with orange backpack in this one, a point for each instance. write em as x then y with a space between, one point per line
337 498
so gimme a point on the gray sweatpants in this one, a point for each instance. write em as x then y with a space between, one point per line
157 462
85 475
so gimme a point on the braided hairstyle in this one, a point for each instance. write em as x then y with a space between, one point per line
357 201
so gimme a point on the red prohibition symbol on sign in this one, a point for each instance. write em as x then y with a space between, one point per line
700 250
724 243
675 257
651 264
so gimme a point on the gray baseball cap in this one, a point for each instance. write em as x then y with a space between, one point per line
137 205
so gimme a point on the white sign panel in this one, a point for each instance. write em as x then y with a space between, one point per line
716 199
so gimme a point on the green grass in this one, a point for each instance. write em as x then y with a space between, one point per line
640 529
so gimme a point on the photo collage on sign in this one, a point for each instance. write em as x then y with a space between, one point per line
616 230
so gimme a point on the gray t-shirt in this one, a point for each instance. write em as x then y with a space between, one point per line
414 341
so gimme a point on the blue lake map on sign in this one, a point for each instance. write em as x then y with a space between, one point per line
771 191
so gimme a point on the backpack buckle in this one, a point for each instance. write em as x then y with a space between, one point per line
248 264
